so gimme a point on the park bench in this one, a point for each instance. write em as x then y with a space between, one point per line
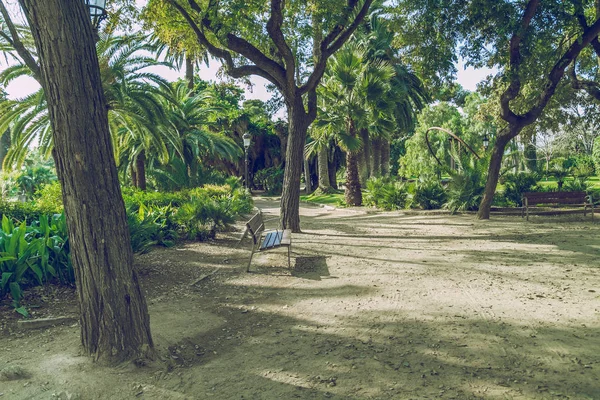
557 198
264 240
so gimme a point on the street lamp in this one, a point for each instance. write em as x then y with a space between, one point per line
486 141
97 10
247 141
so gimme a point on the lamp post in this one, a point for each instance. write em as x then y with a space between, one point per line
486 141
247 141
97 10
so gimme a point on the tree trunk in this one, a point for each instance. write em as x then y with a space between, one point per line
353 194
290 197
307 181
134 180
115 324
376 150
189 72
4 146
531 156
140 170
494 172
332 163
323 165
364 157
385 157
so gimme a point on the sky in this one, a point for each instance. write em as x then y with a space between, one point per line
467 77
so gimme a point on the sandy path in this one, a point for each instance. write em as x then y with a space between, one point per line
381 306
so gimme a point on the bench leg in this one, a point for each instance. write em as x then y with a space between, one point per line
250 261
527 209
289 258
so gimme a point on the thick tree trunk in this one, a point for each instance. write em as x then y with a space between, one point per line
494 172
290 197
189 71
364 157
140 169
353 194
323 165
385 157
115 324
376 150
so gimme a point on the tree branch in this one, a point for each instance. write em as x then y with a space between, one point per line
264 66
274 30
20 48
515 64
332 43
559 68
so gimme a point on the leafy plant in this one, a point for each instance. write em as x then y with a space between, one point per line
428 193
384 194
465 189
576 185
271 179
516 184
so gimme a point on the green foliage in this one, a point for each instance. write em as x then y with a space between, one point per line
49 198
385 194
576 185
583 167
33 255
596 154
271 179
516 184
428 193
466 187
134 198
150 226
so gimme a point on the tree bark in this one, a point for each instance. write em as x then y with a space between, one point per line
385 157
364 157
308 187
140 169
494 172
353 194
531 156
290 197
4 146
189 72
115 324
323 165
376 158
134 180
332 163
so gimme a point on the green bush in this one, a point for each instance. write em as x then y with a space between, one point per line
576 185
466 188
428 194
516 184
49 198
584 167
150 226
385 194
271 179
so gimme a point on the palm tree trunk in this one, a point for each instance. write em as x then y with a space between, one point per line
134 180
353 194
114 319
385 157
323 164
376 157
364 157
189 71
4 146
140 168
307 181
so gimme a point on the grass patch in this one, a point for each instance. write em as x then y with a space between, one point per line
336 199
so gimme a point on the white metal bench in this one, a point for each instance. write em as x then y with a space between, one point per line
264 240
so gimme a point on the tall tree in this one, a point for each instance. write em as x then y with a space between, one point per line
266 40
115 324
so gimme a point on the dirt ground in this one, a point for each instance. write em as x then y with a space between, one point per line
377 306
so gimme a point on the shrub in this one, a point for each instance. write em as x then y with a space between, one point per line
385 194
465 189
428 194
584 167
576 185
516 184
271 179
50 198
149 226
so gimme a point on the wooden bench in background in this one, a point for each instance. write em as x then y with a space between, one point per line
557 198
264 240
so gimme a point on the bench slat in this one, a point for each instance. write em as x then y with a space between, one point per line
271 240
534 198
286 238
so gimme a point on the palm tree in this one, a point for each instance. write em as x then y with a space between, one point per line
190 119
133 96
354 96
